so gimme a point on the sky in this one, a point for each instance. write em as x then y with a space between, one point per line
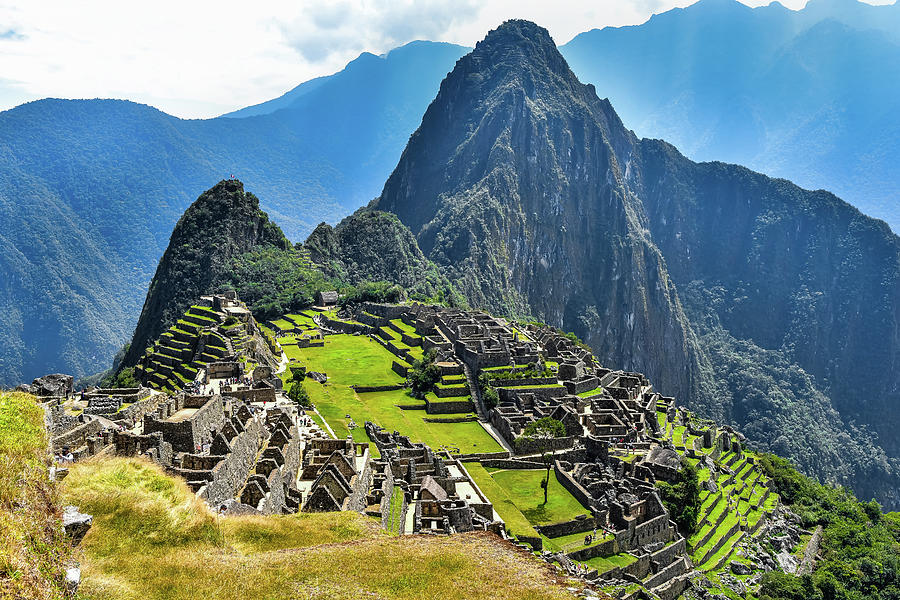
199 59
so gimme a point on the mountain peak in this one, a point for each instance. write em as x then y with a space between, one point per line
223 223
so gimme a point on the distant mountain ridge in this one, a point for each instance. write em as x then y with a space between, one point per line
809 95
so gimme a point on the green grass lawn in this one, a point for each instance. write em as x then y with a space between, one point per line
608 563
282 324
358 360
523 487
503 504
575 541
407 329
395 518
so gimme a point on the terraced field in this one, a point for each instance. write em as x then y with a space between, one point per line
172 361
356 360
731 514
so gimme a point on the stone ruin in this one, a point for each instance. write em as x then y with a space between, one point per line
239 458
438 494
213 339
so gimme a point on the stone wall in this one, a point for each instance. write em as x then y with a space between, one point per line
529 446
512 463
377 388
574 488
582 385
77 436
230 474
509 394
266 394
361 484
186 435
568 527
448 406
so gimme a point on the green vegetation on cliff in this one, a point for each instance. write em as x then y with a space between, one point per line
860 548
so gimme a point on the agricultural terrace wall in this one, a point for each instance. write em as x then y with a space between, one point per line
568 527
448 406
665 556
345 327
385 311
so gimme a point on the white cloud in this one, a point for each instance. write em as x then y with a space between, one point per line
202 58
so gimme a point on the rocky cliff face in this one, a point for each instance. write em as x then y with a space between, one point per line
514 185
223 223
531 196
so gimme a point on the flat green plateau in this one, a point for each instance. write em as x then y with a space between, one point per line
519 500
358 360
503 504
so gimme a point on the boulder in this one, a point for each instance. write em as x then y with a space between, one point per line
787 562
76 523
73 579
739 568
55 385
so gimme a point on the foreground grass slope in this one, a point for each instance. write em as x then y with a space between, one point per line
33 548
153 539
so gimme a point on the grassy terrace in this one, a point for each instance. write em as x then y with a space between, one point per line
396 515
523 487
512 385
608 563
593 392
407 329
359 360
516 522
153 539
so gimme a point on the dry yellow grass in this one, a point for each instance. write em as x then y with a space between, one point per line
152 539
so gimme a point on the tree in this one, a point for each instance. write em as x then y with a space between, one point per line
682 498
542 432
424 374
299 395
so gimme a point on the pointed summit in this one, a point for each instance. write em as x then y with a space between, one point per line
224 222
514 185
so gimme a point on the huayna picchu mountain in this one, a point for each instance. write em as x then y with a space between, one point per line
224 223
758 303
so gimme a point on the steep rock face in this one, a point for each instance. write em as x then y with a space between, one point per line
224 222
375 246
798 272
514 185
